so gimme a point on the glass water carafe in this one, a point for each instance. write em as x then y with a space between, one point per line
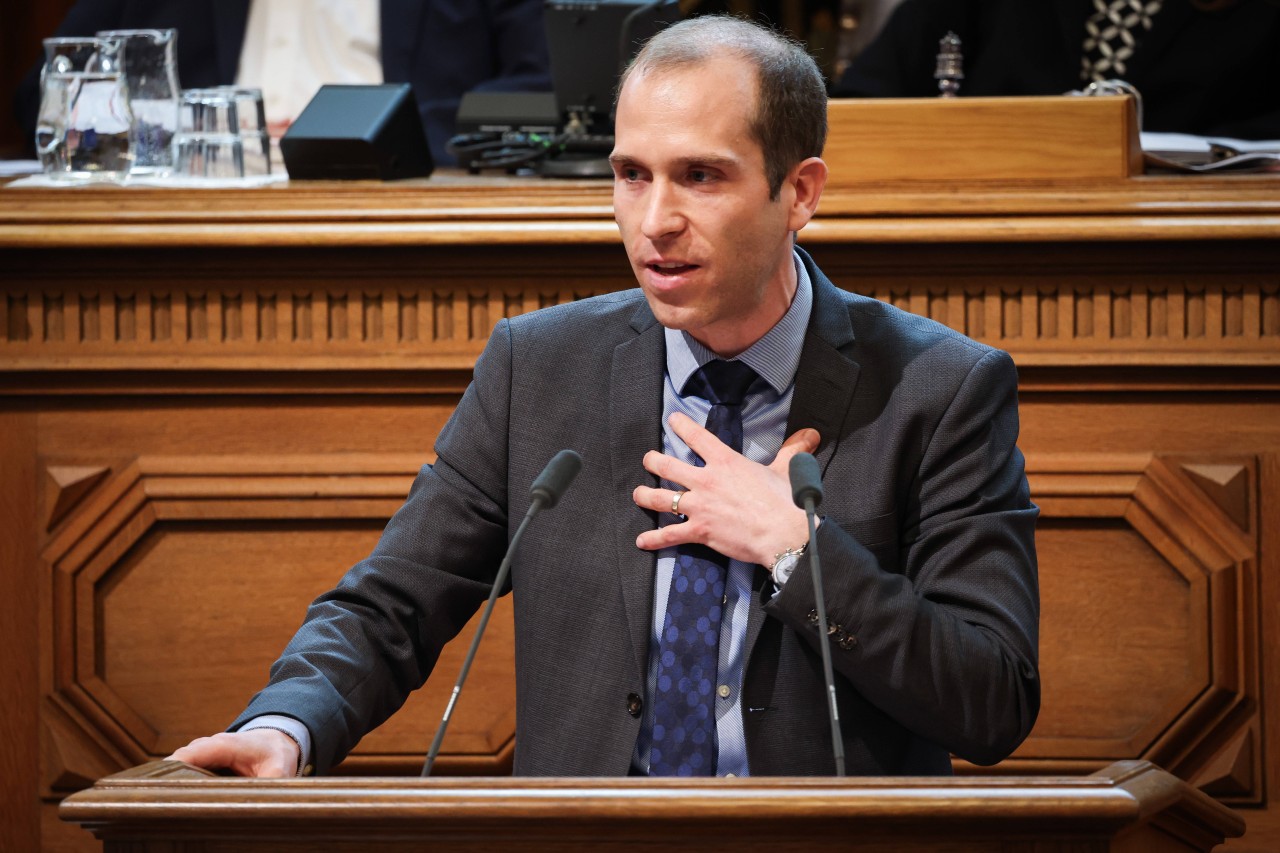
151 75
83 131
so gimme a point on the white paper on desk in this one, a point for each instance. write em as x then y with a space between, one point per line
173 181
1186 152
10 168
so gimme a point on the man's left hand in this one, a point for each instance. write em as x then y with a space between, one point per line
735 506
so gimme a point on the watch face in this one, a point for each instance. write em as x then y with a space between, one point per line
783 568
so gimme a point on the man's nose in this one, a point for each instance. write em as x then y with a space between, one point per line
663 213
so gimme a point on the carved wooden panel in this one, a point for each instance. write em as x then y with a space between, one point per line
230 318
243 308
174 582
1134 315
1216 304
173 585
1149 599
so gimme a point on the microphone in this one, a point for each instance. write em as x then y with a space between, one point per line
806 481
806 491
546 491
555 479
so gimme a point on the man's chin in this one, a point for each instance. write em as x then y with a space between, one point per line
675 317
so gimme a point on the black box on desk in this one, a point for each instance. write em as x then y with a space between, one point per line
358 133
509 112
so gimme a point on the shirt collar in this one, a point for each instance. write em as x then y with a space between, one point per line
775 357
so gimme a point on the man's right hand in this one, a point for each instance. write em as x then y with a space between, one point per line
263 753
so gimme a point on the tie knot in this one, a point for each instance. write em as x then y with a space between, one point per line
721 382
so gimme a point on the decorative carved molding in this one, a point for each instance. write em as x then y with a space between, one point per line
1232 771
1228 487
142 575
449 321
67 486
442 316
72 755
1133 541
1152 515
1152 312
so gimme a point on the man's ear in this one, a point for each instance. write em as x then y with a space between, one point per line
807 178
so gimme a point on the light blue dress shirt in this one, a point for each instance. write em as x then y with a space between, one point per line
776 358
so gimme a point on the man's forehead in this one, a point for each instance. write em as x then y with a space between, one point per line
694 72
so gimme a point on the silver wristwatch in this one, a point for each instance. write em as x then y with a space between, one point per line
785 563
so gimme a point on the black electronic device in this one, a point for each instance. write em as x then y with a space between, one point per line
358 132
591 42
508 112
567 133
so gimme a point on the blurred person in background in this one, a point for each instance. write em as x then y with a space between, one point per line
288 48
1207 67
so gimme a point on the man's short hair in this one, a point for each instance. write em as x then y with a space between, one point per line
790 122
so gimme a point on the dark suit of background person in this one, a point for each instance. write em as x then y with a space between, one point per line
927 549
1203 72
445 48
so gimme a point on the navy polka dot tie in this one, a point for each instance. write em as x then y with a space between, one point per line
684 725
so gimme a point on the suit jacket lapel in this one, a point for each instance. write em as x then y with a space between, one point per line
635 423
230 18
826 376
399 24
825 382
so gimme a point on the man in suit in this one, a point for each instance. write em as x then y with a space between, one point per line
1202 66
927 534
445 48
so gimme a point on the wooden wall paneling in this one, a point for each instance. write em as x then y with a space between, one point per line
1149 597
198 308
19 610
196 336
1123 304
1204 508
1264 824
214 559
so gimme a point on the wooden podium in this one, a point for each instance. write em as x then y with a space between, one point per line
1129 806
204 391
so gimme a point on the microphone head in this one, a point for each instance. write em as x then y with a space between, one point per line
806 480
556 477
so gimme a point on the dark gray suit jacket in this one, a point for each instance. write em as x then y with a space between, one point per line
927 548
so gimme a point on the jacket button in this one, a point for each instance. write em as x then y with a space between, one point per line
634 704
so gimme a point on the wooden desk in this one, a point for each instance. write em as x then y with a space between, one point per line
1126 807
207 393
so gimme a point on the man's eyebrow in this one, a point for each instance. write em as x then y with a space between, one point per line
718 161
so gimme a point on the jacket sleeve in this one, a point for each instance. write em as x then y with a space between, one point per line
366 644
945 641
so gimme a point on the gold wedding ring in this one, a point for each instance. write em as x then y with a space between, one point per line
675 503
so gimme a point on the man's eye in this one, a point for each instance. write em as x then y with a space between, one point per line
699 176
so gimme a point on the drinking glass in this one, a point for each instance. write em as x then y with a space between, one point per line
151 75
254 138
208 140
82 133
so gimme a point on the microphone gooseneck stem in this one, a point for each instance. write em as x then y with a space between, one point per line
498 582
824 639
545 492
